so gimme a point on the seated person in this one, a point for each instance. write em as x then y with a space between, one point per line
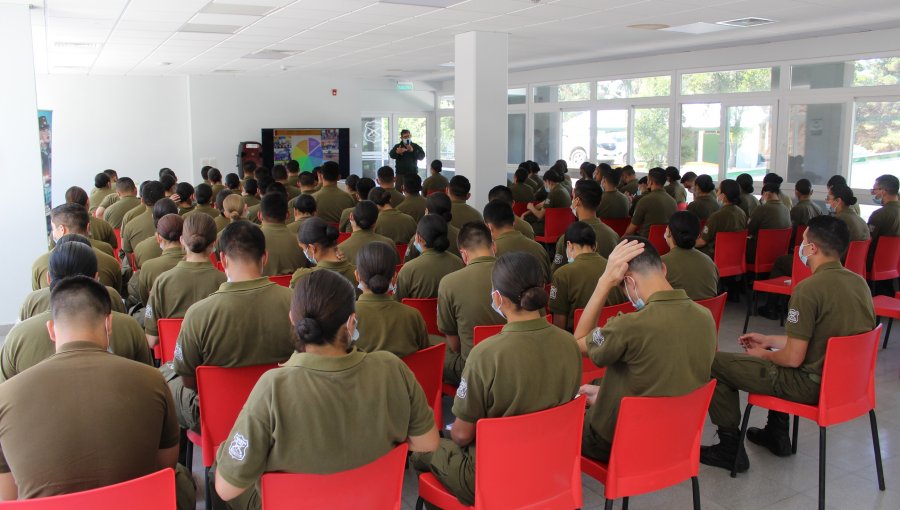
331 200
386 182
748 202
521 191
420 277
184 192
284 256
586 200
364 186
321 428
137 224
391 223
504 194
233 209
770 214
686 267
98 228
557 198
637 363
674 187
507 375
304 208
149 248
437 203
654 208
362 219
777 180
805 209
642 189
705 203
613 203
435 181
499 218
839 200
114 207
318 241
168 236
203 195
251 192
729 218
459 191
413 202
223 219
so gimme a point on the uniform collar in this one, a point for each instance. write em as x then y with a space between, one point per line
479 260
658 190
326 363
829 266
371 296
80 345
173 251
529 325
668 295
256 283
509 233
195 265
330 264
274 226
587 257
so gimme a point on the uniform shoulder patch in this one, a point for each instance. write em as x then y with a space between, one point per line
179 354
238 447
148 312
705 229
597 337
793 316
558 259
553 292
463 389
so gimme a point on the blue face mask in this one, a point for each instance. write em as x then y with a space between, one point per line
638 193
418 247
803 258
310 258
830 208
639 304
547 189
495 307
877 201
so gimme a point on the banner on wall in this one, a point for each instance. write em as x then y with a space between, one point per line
45 125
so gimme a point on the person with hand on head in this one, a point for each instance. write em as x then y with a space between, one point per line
420 277
435 181
705 203
362 220
407 155
318 241
413 202
832 302
663 349
686 267
184 197
655 207
393 224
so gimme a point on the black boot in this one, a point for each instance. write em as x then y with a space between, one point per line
723 454
774 436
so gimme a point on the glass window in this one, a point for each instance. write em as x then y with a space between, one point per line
858 73
576 137
564 92
814 141
701 136
726 82
612 137
448 134
546 138
876 71
375 144
446 103
651 86
651 137
749 142
515 149
876 142
516 96
418 127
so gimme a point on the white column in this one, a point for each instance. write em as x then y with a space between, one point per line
480 92
24 227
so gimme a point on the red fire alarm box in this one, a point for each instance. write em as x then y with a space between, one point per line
249 151
333 92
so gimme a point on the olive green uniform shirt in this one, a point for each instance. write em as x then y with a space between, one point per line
859 230
219 331
285 255
464 301
787 201
184 210
771 215
436 182
152 269
414 206
102 246
395 225
421 277
692 271
28 343
253 213
607 239
323 414
397 198
221 222
207 209
463 213
177 289
110 199
110 273
386 325
522 192
292 191
885 221
613 205
574 284
676 190
665 349
145 251
804 211
343 268
330 202
97 196
102 231
115 213
294 227
729 218
654 208
216 188
38 301
83 419
522 226
749 203
250 200
344 223
704 206
134 213
513 240
360 238
137 229
630 188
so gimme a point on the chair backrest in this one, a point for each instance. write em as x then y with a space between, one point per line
886 263
557 220
519 208
716 305
506 473
343 236
221 393
427 307
215 261
155 491
682 206
643 460
282 279
856 256
168 336
730 251
771 243
378 484
798 235
401 250
619 225
428 367
481 333
131 262
799 270
118 233
606 313
657 238
848 377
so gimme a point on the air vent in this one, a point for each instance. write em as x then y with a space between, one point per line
226 71
271 54
69 45
237 9
209 29
746 22
649 26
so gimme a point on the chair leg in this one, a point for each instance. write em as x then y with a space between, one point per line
822 468
750 298
625 503
887 334
189 455
695 486
208 491
609 504
877 444
794 439
420 504
741 439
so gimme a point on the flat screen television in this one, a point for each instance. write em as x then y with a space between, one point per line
309 146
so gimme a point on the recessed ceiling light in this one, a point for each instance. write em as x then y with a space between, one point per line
698 28
69 45
240 9
424 3
649 26
209 29
270 54
746 22
226 71
448 64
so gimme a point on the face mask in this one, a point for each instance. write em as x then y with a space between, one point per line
495 307
392 288
418 247
406 141
720 202
355 336
877 201
638 193
570 258
639 304
830 208
803 258
574 211
547 189
360 287
310 258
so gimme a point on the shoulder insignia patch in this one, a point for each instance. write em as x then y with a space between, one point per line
553 292
179 355
705 229
793 316
238 447
463 389
148 312
597 337
558 259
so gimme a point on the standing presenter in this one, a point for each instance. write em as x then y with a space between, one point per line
407 155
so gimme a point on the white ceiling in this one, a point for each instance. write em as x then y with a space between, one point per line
370 39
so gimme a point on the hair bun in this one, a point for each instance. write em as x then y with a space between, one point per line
533 298
331 233
308 330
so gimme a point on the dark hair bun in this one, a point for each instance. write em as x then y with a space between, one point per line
196 243
308 330
332 234
378 284
533 299
440 243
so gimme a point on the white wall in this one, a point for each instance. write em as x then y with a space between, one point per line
135 125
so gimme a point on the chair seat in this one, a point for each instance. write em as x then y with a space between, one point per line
594 468
433 491
780 285
785 406
886 306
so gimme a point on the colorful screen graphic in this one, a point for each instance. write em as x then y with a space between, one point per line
310 147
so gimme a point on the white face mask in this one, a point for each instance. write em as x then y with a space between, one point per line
494 306
355 335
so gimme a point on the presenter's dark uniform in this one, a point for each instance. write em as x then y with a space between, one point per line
407 163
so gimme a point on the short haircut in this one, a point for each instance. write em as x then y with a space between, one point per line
657 176
307 179
587 170
71 259
248 166
365 214
386 174
242 240
232 181
204 172
331 171
318 231
803 187
589 192
73 216
74 238
220 198
162 208
376 264
215 175
279 173
519 279
292 166
672 174
199 231
184 190
351 181
501 193
170 227
77 195
321 305
261 172
305 204
460 186
628 170
646 262
731 189
889 183
80 299
364 186
499 214
612 176
437 165
404 132
380 196
250 186
684 227
553 175
101 180
433 230
829 234
521 175
262 183
581 234
167 171
688 177
473 235
745 181
412 184
125 185
168 181
836 179
273 207
276 187
203 193
704 183
439 203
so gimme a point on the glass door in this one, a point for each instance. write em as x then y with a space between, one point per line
376 143
748 141
701 138
418 128
612 137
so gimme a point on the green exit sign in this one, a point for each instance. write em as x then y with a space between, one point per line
404 85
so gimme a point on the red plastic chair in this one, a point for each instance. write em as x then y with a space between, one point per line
798 236
155 491
770 244
481 333
856 257
619 225
657 238
847 392
427 307
590 371
216 262
556 221
118 233
886 306
643 460
378 484
682 206
730 253
716 305
401 250
520 208
781 285
168 336
221 393
506 473
283 279
428 367
131 262
886 264
343 236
